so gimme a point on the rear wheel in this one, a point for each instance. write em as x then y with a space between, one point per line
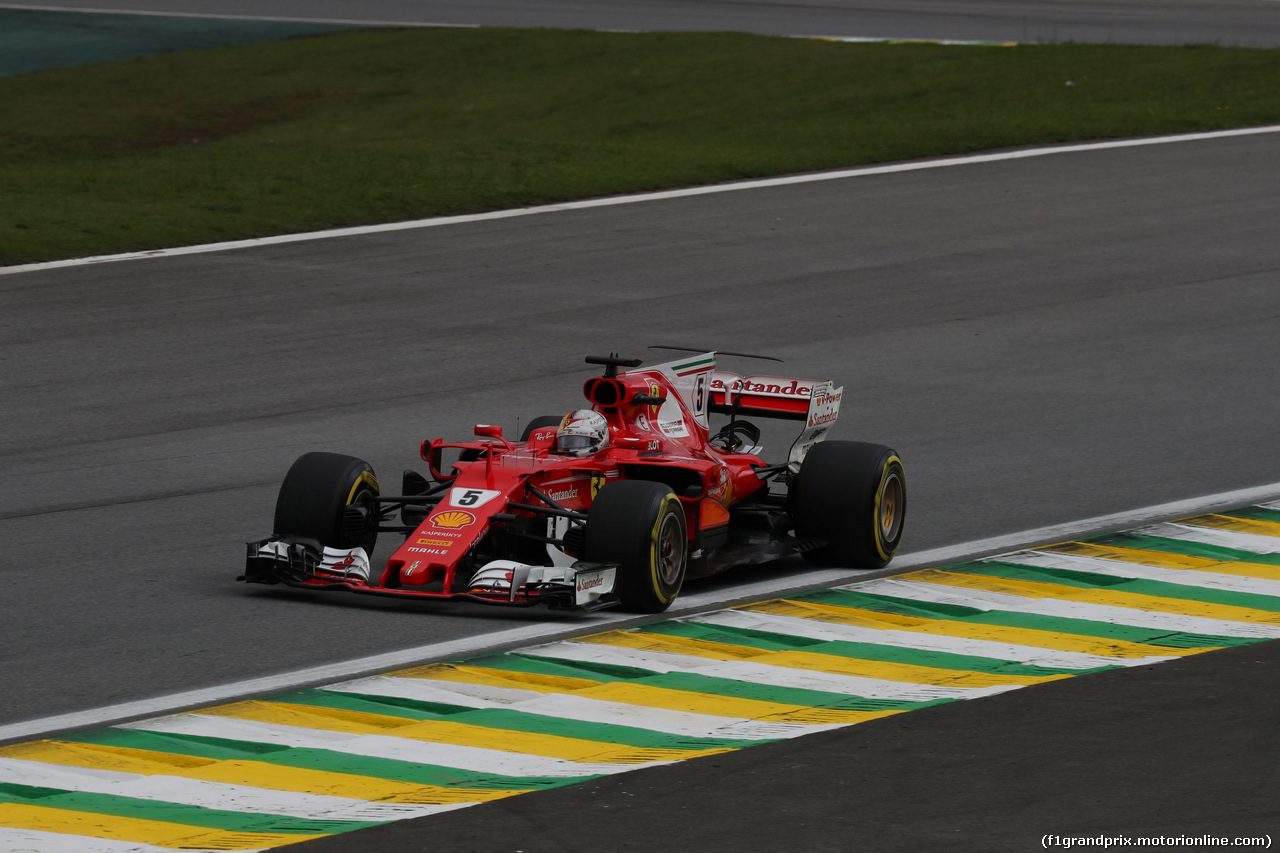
640 526
315 495
853 496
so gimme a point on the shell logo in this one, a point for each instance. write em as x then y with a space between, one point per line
452 519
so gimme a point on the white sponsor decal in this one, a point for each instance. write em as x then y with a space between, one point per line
590 585
689 378
824 408
471 498
671 420
346 564
762 386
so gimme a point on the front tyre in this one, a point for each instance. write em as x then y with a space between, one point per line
639 525
315 495
853 497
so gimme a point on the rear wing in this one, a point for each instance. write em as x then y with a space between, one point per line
817 404
763 396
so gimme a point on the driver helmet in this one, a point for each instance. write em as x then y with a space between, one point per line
582 433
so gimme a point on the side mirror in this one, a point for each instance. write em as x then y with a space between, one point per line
489 431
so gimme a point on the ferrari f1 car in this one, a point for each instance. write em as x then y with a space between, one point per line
611 505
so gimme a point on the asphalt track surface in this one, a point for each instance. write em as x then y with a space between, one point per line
1043 340
1228 22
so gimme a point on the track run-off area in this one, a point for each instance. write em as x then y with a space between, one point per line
300 765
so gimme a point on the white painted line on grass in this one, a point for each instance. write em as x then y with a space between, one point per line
375 664
612 201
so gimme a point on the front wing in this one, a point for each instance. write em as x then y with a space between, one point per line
306 564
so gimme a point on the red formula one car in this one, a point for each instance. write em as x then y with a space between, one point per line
610 505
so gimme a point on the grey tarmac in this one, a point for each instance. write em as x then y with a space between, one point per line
1043 340
1253 23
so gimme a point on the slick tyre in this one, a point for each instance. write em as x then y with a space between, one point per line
315 495
852 497
640 526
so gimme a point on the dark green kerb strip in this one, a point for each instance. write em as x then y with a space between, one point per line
1183 548
1254 513
1014 619
868 651
502 719
195 816
717 686
1158 589
223 749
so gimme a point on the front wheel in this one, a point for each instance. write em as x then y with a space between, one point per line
639 525
315 495
852 497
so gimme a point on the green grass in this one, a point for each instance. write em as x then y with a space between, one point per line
385 125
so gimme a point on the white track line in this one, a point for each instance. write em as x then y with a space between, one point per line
375 664
612 201
352 22
264 18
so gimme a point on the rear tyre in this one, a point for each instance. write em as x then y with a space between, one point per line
640 526
853 496
315 495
